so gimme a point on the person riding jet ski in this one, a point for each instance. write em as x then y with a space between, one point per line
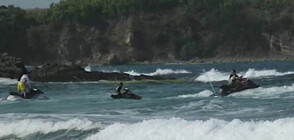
127 94
24 84
25 90
119 88
235 83
233 78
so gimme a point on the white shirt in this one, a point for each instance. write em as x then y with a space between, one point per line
231 79
25 80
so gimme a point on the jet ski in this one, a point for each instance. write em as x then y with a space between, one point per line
226 90
126 95
33 94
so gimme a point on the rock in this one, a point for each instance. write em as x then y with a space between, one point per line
113 59
282 42
11 67
74 73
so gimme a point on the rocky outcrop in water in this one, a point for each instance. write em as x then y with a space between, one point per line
74 73
11 67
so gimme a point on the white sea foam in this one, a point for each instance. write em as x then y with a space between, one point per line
205 93
267 92
261 92
89 69
159 72
132 72
252 73
179 129
215 75
26 127
212 75
7 81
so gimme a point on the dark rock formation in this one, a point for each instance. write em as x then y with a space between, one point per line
11 67
65 73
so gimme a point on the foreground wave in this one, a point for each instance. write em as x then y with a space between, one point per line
213 129
155 129
23 128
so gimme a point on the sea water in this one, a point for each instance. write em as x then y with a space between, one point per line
178 109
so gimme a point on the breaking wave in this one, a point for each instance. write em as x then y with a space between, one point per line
7 81
212 75
23 128
89 69
216 75
267 92
252 73
159 72
205 93
212 129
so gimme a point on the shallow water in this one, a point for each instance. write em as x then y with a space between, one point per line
173 110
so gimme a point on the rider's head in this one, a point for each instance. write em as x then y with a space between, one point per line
233 71
121 84
24 72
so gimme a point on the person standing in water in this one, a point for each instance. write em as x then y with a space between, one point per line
119 88
24 84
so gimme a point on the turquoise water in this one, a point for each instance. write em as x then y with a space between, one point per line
178 109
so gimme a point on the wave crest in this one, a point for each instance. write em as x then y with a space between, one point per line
205 93
214 75
213 129
27 127
268 92
252 73
7 81
159 72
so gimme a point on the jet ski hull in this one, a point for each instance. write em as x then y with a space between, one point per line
226 90
33 94
126 96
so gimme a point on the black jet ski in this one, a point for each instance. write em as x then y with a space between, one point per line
226 90
126 95
33 94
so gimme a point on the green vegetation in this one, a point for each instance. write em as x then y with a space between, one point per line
208 24
95 11
13 25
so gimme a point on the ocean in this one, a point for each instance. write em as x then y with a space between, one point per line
178 109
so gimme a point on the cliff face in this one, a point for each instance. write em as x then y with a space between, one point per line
164 36
281 42
139 38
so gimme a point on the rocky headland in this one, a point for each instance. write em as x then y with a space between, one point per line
12 67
